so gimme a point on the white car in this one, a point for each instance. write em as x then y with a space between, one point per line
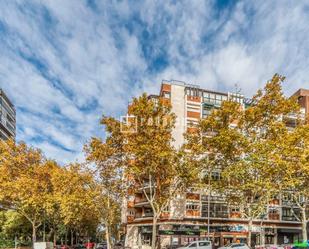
235 246
199 244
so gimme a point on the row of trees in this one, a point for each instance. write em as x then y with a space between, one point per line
58 202
257 152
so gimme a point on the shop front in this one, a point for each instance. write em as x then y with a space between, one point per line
288 236
179 235
174 235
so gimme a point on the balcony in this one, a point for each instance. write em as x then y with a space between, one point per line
274 202
193 213
192 196
194 98
289 218
130 204
235 215
144 216
141 202
165 215
274 216
130 218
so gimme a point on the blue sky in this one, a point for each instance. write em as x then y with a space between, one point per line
65 63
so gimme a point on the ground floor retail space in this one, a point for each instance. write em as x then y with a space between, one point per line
174 235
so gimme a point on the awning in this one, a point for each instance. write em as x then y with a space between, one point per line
281 230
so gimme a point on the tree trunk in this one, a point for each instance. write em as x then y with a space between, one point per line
76 238
108 237
66 237
249 232
72 237
304 224
55 237
33 234
154 232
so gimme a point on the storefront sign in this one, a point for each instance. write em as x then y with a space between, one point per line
171 232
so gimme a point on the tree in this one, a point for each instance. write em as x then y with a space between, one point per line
24 183
14 226
241 142
155 165
209 150
140 156
74 195
294 156
254 176
108 158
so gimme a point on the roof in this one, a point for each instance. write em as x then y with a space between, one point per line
301 92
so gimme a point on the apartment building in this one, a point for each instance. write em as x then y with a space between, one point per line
187 217
302 96
7 117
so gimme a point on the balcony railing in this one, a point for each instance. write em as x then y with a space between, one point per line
274 217
235 215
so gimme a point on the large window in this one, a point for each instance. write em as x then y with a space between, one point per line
148 212
213 99
167 95
290 214
218 210
206 111
194 92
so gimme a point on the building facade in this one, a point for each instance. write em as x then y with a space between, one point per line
187 217
7 117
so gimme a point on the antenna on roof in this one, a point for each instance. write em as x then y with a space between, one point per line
237 89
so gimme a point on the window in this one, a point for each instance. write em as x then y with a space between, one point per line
131 212
193 245
146 239
167 95
215 176
235 209
148 212
273 211
289 214
192 206
218 210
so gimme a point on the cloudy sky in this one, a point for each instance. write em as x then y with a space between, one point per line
66 62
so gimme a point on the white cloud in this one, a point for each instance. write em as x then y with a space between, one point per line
92 61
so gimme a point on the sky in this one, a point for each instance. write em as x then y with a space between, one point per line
65 63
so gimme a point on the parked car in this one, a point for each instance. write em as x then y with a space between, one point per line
235 246
79 246
89 245
101 245
200 244
61 247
